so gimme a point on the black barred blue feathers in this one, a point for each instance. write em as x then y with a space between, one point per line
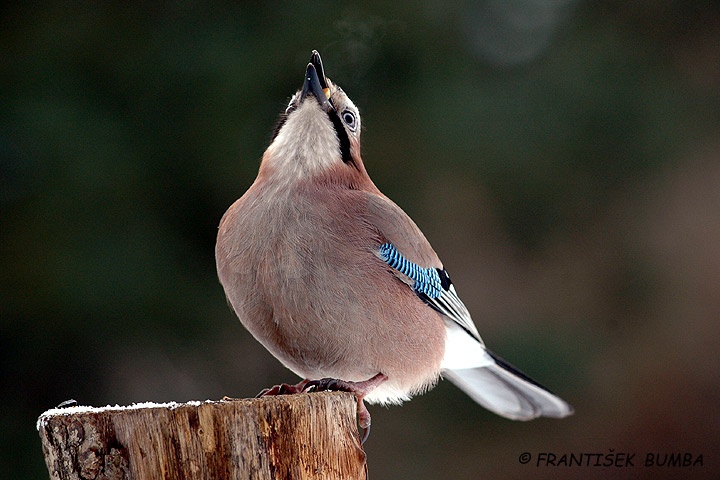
433 286
426 280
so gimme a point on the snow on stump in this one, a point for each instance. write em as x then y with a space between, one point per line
303 436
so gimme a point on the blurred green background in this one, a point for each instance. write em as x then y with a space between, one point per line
562 156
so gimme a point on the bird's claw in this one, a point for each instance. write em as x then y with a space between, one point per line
283 389
359 389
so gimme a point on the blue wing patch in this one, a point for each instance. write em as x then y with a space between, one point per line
426 281
433 285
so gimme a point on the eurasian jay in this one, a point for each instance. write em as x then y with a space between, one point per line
337 281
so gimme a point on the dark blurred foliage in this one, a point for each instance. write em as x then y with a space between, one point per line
562 157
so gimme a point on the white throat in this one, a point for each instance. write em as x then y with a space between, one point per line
307 143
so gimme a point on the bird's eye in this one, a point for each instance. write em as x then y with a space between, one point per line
349 119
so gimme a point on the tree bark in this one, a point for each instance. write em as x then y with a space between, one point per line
302 436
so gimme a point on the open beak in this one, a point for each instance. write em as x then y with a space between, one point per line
315 83
317 62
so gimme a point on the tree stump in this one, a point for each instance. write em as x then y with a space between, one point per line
303 436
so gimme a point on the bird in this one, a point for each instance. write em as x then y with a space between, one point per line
338 283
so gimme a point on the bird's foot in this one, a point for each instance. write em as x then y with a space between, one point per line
283 389
359 389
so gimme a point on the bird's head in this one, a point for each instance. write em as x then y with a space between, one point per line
319 132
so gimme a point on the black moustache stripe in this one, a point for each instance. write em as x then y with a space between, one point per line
342 136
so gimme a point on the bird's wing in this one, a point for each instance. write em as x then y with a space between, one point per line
485 377
396 227
406 250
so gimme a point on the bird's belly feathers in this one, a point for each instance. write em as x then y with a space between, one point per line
310 287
